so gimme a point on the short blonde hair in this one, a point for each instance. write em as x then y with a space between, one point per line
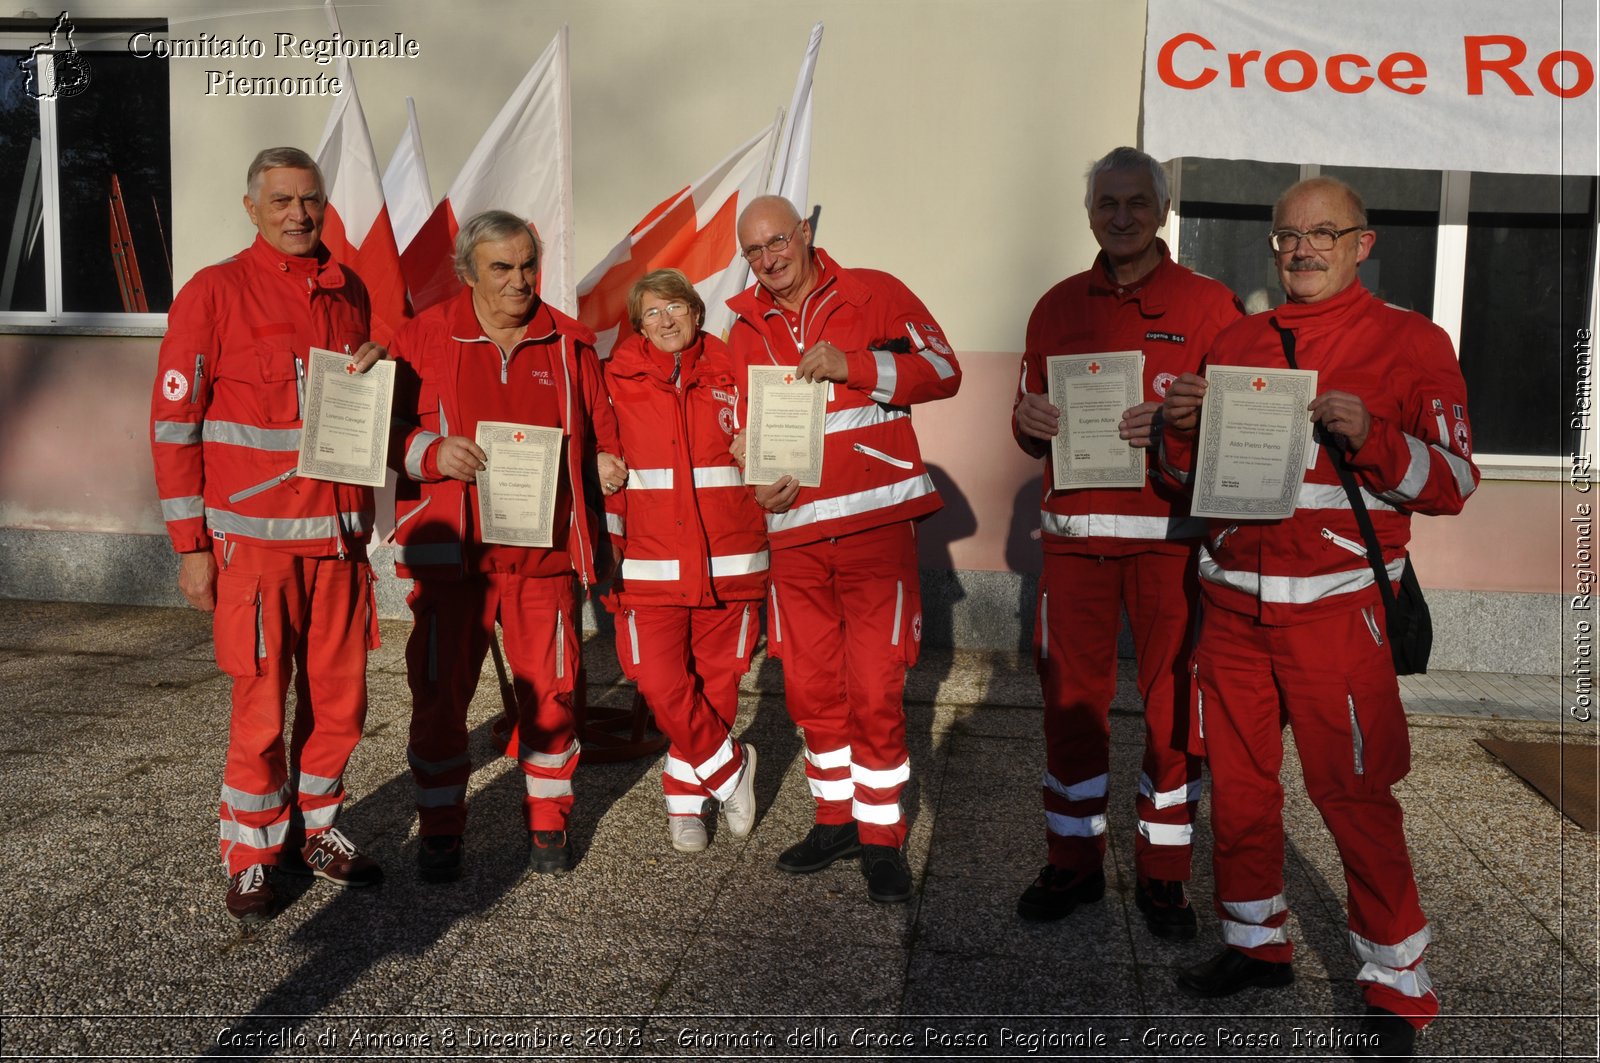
671 285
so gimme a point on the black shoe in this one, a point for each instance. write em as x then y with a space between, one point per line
1230 971
549 852
1166 909
887 874
1055 893
1385 1035
826 843
439 858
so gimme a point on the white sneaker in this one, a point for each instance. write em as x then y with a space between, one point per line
740 806
688 833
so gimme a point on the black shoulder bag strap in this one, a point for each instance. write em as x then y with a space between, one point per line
1359 507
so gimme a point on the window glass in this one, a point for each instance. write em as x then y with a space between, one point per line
1530 256
21 191
1403 207
1226 213
116 128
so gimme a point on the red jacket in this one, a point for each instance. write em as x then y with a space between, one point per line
431 519
1417 457
872 471
225 412
1172 316
694 535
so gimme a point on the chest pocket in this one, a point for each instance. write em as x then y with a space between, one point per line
278 391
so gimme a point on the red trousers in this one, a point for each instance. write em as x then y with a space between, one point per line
280 615
847 622
1081 599
453 622
1334 683
687 663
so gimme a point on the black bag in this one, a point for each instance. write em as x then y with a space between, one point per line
1407 622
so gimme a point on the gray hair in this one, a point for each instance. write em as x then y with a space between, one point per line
1126 158
276 158
490 225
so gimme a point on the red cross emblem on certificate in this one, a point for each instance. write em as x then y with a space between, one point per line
350 367
518 437
788 378
1093 367
1259 384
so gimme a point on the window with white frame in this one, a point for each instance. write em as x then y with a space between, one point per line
1505 263
85 177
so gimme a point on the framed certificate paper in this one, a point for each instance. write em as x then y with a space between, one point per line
1092 391
785 430
517 487
345 433
1255 442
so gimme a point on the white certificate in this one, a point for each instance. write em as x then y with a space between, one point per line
517 487
1255 436
785 430
345 434
1092 391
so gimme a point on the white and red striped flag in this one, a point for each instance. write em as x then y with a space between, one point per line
523 163
694 230
405 182
791 169
356 227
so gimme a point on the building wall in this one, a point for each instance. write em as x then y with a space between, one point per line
950 141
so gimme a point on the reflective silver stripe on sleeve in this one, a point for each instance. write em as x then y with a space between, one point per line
862 417
1416 477
1084 790
417 451
428 554
940 366
1121 526
436 767
243 801
636 568
1292 590
183 508
888 375
180 432
248 435
1462 469
737 564
650 479
849 505
718 476
1075 826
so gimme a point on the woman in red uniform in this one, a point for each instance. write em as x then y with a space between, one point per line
694 551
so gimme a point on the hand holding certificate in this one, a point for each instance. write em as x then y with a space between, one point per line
517 487
784 436
1092 391
1254 442
345 433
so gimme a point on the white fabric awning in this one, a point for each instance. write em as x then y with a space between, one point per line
1419 84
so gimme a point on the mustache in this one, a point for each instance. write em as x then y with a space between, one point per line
1305 265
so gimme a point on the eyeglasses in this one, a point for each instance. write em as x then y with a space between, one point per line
654 314
773 246
1319 239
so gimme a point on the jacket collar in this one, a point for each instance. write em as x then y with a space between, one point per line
1151 292
755 301
322 268
1328 312
466 328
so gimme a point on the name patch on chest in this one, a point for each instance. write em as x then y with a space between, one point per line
723 396
1166 337
542 376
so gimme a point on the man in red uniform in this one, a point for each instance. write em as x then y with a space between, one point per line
846 613
1294 624
495 352
281 560
1110 548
